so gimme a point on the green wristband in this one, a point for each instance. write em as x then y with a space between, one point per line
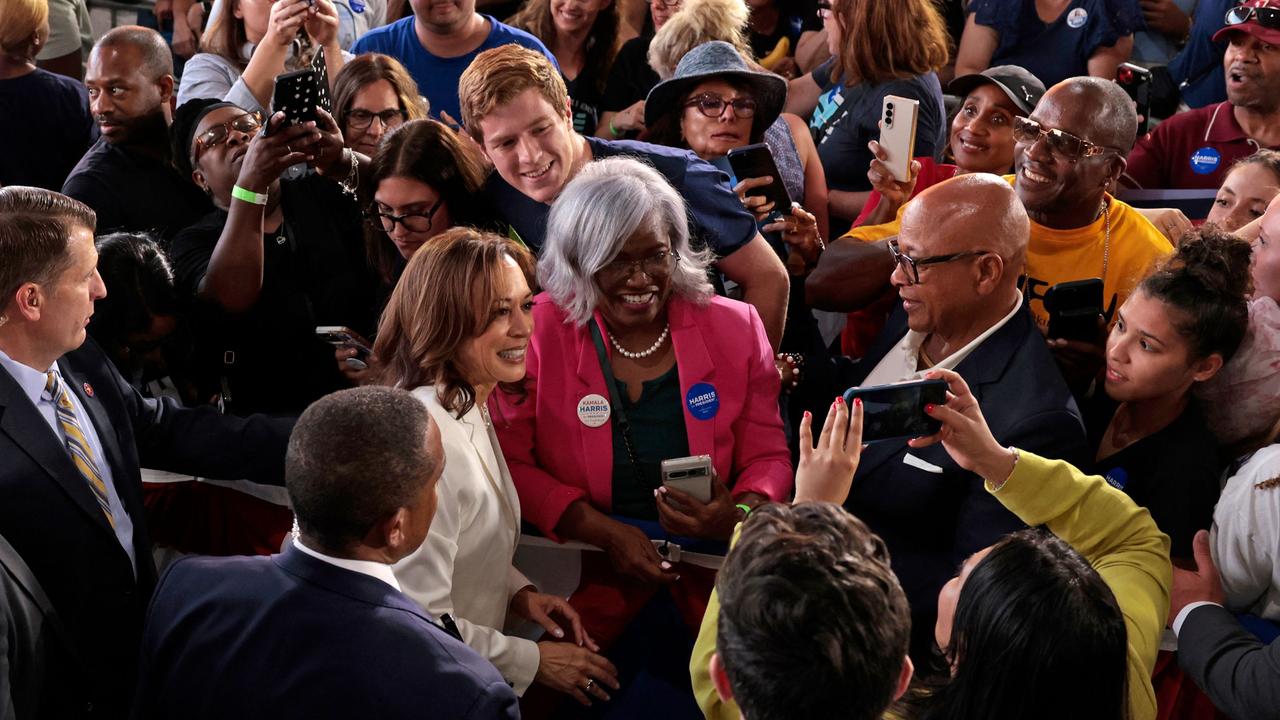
248 196
746 510
614 130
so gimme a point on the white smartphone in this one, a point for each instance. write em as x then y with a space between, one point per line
689 474
898 134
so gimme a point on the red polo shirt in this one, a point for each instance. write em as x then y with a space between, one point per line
1192 149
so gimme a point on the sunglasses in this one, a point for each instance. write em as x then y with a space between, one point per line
911 266
713 105
1267 17
218 134
1061 143
361 119
412 222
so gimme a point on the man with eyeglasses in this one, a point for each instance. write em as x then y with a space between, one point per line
127 177
1067 153
275 260
1195 149
961 310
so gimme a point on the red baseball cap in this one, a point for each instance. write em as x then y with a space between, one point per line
1244 18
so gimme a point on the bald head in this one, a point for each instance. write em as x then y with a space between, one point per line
1111 118
974 211
153 53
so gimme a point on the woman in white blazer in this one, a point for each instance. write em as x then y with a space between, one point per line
456 326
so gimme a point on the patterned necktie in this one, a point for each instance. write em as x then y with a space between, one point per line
77 443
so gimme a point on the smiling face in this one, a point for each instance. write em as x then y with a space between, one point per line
376 98
949 598
1147 357
1049 183
631 296
1243 197
67 302
1252 68
407 196
662 12
982 132
217 168
714 137
497 354
575 16
443 17
944 300
256 17
531 145
126 104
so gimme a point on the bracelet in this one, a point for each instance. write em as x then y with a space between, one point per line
1017 455
614 130
351 182
746 510
249 196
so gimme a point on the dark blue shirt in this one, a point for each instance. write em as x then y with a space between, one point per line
45 121
716 216
437 77
1061 49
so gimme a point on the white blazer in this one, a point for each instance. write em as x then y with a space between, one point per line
464 566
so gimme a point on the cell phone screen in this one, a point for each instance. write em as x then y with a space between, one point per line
895 411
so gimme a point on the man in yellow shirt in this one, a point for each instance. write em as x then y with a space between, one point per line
1068 152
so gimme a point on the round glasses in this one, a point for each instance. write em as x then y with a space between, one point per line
361 119
218 134
412 222
713 105
656 264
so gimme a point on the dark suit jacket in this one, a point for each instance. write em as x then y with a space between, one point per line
291 636
49 514
1234 669
931 521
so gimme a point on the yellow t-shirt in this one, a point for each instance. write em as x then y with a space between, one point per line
1056 256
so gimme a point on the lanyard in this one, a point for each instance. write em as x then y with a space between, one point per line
624 425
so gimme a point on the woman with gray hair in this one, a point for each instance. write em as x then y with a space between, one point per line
634 361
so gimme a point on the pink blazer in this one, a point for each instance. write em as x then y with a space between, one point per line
556 458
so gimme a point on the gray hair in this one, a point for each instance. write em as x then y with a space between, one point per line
599 210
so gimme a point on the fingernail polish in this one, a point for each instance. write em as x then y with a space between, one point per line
857 401
839 400
665 565
929 408
808 415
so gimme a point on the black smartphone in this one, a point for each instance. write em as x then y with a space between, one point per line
1136 81
321 69
339 336
753 161
895 411
296 94
1074 308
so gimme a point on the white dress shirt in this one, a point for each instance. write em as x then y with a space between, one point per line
33 384
464 566
1246 536
380 571
902 362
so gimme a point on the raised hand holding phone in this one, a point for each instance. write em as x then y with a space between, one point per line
898 135
964 433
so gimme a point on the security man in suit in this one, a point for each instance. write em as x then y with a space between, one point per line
960 310
73 435
322 630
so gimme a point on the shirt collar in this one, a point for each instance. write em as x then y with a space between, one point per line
31 381
1223 127
915 339
378 570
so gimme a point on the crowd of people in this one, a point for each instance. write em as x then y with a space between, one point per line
497 386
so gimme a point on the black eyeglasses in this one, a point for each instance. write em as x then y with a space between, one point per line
1061 143
361 119
825 8
667 3
218 134
656 264
911 266
1267 17
412 222
713 105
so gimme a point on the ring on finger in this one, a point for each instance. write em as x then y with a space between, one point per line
591 682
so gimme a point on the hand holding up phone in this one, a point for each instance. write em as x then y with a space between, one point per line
893 191
965 434
273 150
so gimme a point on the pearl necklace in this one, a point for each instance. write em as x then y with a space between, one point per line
666 330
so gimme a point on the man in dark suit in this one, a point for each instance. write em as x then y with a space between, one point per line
73 435
1238 673
958 259
322 630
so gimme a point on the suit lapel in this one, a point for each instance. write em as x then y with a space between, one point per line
595 444
695 366
29 430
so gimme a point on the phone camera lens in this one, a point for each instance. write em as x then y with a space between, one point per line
889 106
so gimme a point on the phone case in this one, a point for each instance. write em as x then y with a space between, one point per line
321 70
898 134
296 94
689 474
757 161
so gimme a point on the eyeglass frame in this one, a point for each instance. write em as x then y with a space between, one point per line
1090 149
202 147
1250 13
373 214
616 270
697 101
825 9
911 266
389 112
667 3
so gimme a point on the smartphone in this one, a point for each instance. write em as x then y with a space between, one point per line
689 474
340 336
296 94
1074 308
321 70
753 161
898 134
1136 81
896 411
